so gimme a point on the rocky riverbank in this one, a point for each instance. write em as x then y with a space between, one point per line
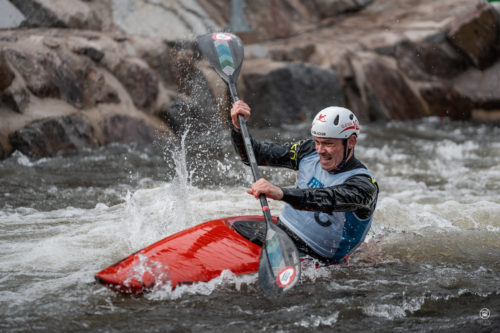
76 74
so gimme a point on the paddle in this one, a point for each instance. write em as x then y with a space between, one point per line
279 263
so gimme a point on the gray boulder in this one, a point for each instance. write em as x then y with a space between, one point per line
288 93
48 136
10 16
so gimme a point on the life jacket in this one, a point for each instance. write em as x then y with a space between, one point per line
332 235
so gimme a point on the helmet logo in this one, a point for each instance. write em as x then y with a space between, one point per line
356 124
350 126
321 117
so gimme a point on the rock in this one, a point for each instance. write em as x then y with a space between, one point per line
384 91
476 34
196 112
58 13
139 80
124 129
329 8
288 93
445 101
48 136
429 60
3 152
10 16
165 19
6 74
16 100
299 53
482 88
60 74
14 97
90 51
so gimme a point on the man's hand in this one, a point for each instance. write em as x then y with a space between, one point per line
262 186
242 108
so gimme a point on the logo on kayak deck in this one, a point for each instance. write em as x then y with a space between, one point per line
286 276
222 37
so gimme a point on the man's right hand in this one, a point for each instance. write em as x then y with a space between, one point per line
239 107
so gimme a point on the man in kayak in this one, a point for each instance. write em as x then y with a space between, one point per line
330 211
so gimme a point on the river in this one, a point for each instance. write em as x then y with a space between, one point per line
431 260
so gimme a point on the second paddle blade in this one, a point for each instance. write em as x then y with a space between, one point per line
279 267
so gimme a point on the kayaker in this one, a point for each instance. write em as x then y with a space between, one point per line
330 211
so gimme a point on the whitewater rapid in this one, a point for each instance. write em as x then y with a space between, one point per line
434 241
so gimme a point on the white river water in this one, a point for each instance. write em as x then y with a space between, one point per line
431 261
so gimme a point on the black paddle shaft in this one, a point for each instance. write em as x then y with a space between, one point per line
250 153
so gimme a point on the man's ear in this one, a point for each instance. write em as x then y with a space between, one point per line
351 142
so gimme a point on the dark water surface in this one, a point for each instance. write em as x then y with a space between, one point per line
431 262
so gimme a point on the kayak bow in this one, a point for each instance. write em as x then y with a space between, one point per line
197 254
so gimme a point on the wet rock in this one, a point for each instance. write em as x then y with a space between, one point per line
89 51
16 100
289 93
60 74
6 74
299 53
12 96
429 60
48 136
476 35
196 112
482 88
58 13
169 20
139 80
3 152
445 101
10 16
385 92
329 8
124 129
176 64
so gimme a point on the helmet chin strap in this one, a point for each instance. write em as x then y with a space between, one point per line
346 154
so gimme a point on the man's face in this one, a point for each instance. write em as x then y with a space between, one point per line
331 151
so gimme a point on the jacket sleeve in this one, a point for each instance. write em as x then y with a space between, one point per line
270 153
358 194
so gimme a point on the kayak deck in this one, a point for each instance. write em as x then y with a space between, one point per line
197 254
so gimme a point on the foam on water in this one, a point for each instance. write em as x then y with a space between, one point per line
434 236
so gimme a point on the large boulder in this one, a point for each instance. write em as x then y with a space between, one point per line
48 136
61 13
10 16
125 129
6 74
329 8
196 112
481 87
384 90
139 80
61 74
172 19
476 35
432 59
60 83
288 93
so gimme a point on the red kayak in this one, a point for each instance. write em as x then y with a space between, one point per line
197 254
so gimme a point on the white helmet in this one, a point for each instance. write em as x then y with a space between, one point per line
335 122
